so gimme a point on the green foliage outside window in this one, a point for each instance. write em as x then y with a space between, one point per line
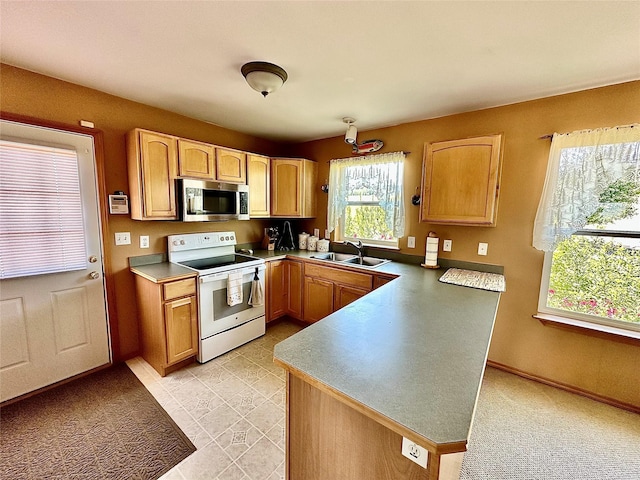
618 201
595 276
366 222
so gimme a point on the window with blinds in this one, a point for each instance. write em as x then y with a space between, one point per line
41 218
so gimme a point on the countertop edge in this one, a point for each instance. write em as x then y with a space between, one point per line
430 445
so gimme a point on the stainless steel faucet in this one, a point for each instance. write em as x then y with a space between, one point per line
358 246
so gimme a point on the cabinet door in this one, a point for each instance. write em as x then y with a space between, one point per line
259 180
181 326
460 181
231 166
345 294
318 299
153 164
295 276
196 159
310 190
379 280
286 187
277 289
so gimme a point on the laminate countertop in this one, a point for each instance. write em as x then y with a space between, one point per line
413 351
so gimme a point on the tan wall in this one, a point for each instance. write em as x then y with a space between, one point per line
603 367
29 94
600 366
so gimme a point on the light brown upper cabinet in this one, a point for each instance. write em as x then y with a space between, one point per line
196 159
293 184
460 181
231 166
152 166
259 180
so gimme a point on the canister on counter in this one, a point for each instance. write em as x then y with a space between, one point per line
323 245
303 239
312 243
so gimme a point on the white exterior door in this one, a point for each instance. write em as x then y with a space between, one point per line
52 325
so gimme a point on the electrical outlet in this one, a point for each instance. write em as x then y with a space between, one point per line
326 233
414 452
144 241
482 248
316 232
446 245
123 238
411 242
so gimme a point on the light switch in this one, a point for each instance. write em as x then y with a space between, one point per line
482 248
446 245
123 238
411 242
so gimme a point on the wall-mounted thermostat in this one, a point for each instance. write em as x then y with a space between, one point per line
118 203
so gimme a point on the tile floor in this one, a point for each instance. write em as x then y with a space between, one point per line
231 408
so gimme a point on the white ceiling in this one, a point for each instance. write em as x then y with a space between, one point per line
383 63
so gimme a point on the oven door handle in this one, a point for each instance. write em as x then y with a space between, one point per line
216 277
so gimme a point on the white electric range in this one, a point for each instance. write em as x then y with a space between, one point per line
221 327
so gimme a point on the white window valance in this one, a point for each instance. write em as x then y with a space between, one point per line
581 166
381 175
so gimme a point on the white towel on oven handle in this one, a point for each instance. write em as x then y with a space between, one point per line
234 289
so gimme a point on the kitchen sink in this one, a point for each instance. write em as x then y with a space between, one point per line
367 261
335 257
354 260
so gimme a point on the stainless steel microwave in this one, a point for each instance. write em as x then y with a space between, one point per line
203 201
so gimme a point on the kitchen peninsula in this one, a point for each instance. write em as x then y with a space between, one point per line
407 360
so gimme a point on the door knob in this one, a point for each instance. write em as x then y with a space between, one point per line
93 259
94 275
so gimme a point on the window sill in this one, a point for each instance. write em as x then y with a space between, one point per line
591 329
371 245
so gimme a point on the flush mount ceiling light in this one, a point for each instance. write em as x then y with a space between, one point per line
264 77
352 131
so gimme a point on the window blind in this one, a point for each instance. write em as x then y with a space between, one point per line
41 217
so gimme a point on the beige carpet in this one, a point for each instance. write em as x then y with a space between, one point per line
103 426
525 430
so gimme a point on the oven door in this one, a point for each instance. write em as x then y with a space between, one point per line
216 315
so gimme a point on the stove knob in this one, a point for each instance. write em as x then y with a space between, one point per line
176 242
181 242
231 237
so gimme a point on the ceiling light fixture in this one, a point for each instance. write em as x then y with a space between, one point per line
352 131
264 77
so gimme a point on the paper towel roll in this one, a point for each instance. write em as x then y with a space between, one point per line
431 254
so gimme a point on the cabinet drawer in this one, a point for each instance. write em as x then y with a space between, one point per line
180 288
357 279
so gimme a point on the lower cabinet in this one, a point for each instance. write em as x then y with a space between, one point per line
318 299
284 289
307 291
345 294
295 274
276 288
168 314
328 289
379 280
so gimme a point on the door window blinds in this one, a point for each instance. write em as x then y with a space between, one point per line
41 217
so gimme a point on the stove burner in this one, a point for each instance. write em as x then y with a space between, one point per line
220 261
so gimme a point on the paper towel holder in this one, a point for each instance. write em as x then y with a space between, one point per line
424 265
